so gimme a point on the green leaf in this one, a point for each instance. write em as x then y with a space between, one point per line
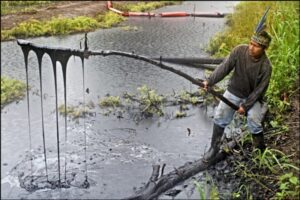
294 180
283 186
285 176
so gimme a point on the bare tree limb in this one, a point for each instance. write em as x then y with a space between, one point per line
86 53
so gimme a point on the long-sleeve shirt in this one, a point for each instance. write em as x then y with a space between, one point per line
250 77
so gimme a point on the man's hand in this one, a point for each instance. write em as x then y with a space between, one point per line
205 85
241 110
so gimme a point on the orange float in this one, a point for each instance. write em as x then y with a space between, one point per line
164 14
109 4
174 14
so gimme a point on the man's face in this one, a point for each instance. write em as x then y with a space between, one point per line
255 50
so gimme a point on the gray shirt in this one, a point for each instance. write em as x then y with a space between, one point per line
250 77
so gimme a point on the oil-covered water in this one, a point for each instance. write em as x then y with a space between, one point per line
119 152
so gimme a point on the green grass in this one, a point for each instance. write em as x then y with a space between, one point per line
75 112
271 170
9 7
150 101
208 189
179 114
143 6
283 25
11 90
56 26
109 19
110 101
61 26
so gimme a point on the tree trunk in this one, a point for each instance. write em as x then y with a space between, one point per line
157 186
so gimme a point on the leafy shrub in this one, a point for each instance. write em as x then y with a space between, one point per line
289 187
76 112
110 101
150 102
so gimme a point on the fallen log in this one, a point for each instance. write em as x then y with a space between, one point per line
156 187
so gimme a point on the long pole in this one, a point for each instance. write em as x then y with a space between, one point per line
86 53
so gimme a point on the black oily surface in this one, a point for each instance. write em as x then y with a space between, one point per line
114 150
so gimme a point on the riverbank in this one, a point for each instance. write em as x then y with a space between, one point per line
59 18
275 172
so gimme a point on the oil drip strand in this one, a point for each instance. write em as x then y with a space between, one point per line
31 183
63 58
39 57
25 51
86 183
53 59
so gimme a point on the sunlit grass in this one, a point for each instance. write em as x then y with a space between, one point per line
11 90
61 26
109 19
110 101
78 111
143 6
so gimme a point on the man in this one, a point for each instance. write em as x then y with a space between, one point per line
247 86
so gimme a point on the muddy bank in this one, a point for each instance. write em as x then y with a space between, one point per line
59 9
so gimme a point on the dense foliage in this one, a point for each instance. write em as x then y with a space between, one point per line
270 173
283 26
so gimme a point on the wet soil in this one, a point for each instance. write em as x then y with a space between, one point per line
289 142
229 179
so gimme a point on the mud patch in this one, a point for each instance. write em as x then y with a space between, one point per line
33 178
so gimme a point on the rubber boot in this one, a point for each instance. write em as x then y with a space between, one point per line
215 143
258 141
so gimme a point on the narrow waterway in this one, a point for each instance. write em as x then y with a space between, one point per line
120 151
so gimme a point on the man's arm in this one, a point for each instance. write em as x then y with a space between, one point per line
223 69
258 91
